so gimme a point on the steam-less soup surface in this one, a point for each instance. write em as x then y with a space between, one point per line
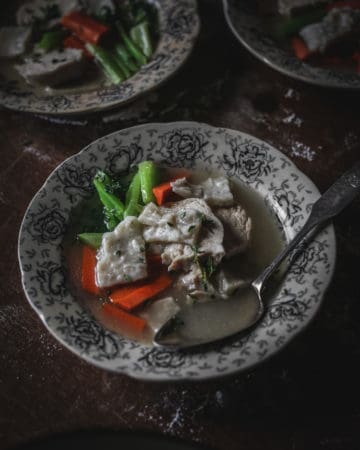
218 237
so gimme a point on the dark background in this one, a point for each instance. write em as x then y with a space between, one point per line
306 397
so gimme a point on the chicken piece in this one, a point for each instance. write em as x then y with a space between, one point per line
211 235
186 190
221 285
216 191
197 285
179 224
53 68
40 10
121 257
237 229
14 41
159 312
190 223
178 256
337 24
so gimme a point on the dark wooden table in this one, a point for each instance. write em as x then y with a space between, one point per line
307 397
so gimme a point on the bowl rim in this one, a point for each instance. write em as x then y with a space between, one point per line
164 377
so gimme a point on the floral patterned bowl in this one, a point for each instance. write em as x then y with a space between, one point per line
248 28
179 26
288 193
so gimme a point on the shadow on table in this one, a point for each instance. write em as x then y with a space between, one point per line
110 440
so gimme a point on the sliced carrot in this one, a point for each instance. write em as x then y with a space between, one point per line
131 296
85 27
126 320
74 42
88 278
164 191
300 48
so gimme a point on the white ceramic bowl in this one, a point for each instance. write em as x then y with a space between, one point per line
248 27
288 192
179 26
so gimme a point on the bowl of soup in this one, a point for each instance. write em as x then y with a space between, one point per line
74 56
147 222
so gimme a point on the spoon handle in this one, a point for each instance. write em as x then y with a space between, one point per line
329 205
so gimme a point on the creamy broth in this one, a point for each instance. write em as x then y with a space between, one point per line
209 319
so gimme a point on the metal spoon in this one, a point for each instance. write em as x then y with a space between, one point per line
330 204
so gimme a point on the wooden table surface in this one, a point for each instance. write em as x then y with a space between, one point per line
306 397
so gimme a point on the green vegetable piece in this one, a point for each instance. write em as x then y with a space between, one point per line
107 62
51 40
133 49
120 63
148 180
293 25
133 197
126 58
113 206
140 34
92 239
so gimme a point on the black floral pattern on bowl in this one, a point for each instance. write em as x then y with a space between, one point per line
182 147
191 145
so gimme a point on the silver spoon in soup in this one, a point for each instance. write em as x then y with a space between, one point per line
202 323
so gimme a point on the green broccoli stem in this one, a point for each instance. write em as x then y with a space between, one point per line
113 206
126 58
140 34
133 49
107 63
148 174
121 64
133 197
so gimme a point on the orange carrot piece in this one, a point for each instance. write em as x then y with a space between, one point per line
74 42
88 278
163 191
85 27
131 296
130 321
300 48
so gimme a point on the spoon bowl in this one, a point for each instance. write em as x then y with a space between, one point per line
246 309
